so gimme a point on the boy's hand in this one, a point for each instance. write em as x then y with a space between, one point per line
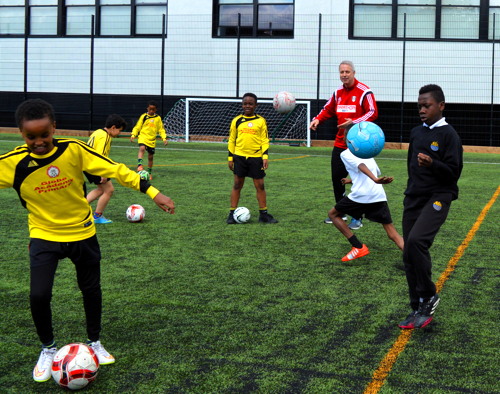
424 160
230 164
165 143
165 203
345 181
265 164
131 139
384 180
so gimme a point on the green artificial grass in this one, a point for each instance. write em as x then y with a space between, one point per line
193 305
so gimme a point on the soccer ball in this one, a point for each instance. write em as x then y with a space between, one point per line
365 140
75 366
144 175
241 215
284 102
135 213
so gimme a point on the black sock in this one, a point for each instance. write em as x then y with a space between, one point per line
355 242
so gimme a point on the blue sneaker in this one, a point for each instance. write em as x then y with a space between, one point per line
355 224
101 220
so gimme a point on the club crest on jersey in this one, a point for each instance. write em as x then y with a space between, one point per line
435 146
437 206
250 124
353 99
53 171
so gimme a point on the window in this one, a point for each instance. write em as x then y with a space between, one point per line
253 18
12 17
74 17
43 17
494 20
115 17
425 19
149 16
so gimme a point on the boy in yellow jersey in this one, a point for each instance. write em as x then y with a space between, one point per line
248 156
47 174
100 140
147 128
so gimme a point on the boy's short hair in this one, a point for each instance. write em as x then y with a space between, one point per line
435 91
250 95
152 102
34 109
115 120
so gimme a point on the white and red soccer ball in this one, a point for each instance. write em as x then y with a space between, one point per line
135 213
75 366
284 102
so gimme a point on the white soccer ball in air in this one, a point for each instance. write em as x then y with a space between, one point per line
241 215
284 102
135 213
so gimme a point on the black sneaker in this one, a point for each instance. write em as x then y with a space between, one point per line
266 218
409 322
425 311
230 218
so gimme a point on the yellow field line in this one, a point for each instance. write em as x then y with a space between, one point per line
385 366
209 164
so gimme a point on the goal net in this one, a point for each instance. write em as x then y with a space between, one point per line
203 119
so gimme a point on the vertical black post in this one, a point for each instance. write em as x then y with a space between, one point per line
492 82
318 76
91 90
25 77
238 58
403 83
163 35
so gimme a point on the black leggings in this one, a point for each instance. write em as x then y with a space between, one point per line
44 258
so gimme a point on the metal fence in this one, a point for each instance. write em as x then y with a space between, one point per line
188 61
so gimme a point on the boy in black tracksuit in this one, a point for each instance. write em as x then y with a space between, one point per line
435 161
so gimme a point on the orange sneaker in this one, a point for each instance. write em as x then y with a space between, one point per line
356 253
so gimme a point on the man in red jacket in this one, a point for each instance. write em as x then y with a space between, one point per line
351 103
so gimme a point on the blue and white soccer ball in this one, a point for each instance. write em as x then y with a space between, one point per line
365 140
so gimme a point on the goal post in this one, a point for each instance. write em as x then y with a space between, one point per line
208 119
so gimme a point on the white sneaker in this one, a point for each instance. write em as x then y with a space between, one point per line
103 356
43 367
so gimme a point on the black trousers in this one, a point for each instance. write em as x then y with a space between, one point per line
338 172
423 216
44 259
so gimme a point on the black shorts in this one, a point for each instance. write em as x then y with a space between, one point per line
375 211
148 149
252 167
95 179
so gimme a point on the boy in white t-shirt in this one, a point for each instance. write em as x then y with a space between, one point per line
367 197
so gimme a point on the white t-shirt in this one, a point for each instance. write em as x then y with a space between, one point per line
363 189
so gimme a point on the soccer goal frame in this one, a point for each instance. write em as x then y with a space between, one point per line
208 119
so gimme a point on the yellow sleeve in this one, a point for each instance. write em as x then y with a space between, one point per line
161 128
231 144
265 140
138 126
